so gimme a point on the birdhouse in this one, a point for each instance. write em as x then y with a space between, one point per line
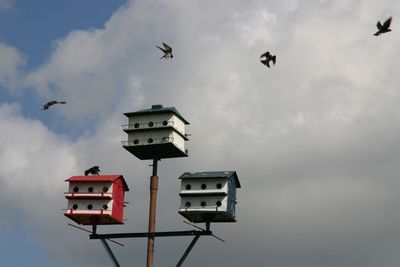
97 199
209 196
158 132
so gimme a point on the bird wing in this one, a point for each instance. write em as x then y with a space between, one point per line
273 58
263 61
266 54
162 49
167 47
379 25
48 104
386 24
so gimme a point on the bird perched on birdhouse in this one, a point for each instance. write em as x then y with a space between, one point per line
167 51
51 103
383 28
93 170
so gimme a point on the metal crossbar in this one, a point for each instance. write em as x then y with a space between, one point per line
146 234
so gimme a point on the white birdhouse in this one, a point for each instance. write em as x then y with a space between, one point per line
158 132
97 199
209 196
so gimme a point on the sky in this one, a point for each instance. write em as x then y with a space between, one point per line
314 139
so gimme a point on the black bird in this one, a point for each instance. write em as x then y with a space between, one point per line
94 170
167 51
383 28
51 103
268 58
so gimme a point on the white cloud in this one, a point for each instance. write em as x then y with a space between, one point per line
32 158
11 61
256 26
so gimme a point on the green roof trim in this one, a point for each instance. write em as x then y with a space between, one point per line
212 175
157 109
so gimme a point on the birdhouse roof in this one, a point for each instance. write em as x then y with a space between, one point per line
212 175
157 109
99 178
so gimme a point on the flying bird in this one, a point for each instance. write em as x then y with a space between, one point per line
94 170
268 58
51 103
383 28
167 51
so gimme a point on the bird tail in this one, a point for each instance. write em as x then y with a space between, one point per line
62 102
377 33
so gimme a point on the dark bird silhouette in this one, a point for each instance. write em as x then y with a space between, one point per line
51 103
94 170
167 51
268 58
383 28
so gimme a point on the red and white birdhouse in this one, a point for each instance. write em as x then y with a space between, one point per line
96 200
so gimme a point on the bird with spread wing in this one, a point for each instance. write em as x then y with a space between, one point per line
268 58
167 51
51 103
383 28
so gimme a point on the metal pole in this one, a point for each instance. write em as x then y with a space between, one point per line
188 250
110 253
152 214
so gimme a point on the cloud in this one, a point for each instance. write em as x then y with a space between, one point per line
313 139
11 62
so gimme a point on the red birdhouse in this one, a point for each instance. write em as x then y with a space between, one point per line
96 200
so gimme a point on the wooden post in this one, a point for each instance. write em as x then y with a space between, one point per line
152 214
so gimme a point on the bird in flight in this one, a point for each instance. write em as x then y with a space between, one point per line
167 51
51 103
94 170
382 28
268 58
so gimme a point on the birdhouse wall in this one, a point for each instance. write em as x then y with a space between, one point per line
158 136
231 196
86 187
204 185
204 203
211 185
118 197
231 206
178 124
178 141
83 206
157 120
